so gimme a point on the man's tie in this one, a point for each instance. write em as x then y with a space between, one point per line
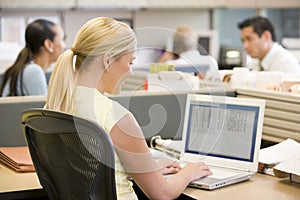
260 68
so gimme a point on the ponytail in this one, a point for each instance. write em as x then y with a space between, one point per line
61 84
97 37
15 70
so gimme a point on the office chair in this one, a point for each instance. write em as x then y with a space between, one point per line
73 157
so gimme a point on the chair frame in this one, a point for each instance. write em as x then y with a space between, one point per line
47 122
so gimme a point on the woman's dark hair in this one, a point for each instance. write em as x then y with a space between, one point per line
35 35
259 24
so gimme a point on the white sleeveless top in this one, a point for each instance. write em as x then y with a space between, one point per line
91 104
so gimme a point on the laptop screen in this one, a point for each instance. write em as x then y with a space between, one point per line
222 130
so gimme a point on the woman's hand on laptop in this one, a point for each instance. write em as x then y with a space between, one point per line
168 166
196 170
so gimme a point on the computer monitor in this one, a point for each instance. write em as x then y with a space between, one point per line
147 55
208 43
232 56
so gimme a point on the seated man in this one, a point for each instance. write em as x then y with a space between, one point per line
258 37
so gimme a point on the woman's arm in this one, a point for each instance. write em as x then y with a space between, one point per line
133 151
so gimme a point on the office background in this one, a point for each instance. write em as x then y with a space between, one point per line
219 15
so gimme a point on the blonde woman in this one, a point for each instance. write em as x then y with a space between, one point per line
103 52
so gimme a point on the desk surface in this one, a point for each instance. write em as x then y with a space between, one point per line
14 185
259 187
14 181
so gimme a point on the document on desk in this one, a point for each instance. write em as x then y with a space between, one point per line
286 150
17 158
272 156
290 168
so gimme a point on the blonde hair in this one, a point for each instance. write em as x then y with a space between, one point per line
99 36
185 39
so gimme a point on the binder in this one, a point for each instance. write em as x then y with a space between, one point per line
170 147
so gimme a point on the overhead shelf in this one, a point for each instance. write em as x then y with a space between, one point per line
145 4
37 4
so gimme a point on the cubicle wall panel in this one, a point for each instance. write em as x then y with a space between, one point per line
282 113
276 104
278 135
278 114
285 106
162 113
282 124
11 133
157 114
269 94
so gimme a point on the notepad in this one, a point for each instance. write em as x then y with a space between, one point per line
17 158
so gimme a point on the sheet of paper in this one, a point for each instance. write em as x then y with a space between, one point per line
289 166
286 150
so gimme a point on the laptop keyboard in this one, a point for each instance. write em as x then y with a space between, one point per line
217 173
221 173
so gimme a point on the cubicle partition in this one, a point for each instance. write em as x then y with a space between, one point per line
282 114
162 113
11 133
1 78
157 114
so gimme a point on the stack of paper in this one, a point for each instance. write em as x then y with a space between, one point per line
136 81
16 158
273 155
289 168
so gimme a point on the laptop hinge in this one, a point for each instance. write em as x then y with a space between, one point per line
233 168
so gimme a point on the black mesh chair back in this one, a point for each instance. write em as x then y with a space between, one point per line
73 157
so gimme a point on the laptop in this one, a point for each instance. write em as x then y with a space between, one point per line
225 133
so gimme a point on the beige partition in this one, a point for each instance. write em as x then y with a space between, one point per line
282 115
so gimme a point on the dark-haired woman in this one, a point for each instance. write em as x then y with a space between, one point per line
44 43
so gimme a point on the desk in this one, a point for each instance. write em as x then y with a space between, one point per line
26 185
14 185
260 186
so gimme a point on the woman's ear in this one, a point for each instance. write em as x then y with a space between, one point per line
107 60
48 44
